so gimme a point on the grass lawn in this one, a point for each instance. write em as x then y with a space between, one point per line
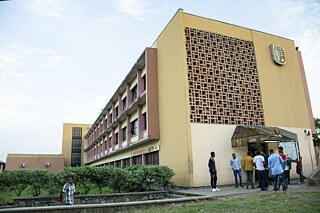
254 202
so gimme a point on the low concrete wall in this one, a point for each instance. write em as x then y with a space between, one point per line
89 199
314 179
106 207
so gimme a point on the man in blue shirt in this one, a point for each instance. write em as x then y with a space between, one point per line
275 163
236 167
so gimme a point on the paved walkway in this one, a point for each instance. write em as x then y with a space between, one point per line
231 190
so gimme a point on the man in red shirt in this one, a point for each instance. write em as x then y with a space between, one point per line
284 158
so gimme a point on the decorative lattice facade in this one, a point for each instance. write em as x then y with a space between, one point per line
223 79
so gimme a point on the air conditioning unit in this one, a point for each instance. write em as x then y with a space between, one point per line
47 164
22 165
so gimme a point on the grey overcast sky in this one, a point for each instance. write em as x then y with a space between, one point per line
62 60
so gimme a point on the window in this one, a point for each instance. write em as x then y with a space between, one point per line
126 162
152 158
118 163
116 138
144 82
124 134
116 112
134 127
76 146
134 93
137 160
110 118
124 103
109 142
144 120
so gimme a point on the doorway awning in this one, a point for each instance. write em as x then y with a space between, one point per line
260 134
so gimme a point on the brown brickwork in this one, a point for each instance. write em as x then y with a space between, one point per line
223 79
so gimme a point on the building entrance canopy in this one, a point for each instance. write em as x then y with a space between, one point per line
260 134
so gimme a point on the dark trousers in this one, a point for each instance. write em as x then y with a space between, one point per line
213 177
262 179
287 175
300 173
237 173
249 175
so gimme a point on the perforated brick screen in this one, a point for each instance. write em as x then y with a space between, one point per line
223 79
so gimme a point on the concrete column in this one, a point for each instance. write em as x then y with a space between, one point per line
140 122
128 130
129 95
140 83
113 141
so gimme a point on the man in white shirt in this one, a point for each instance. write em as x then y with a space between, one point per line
259 163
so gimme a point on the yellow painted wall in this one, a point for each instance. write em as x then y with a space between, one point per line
217 138
281 86
222 28
282 90
175 145
175 134
67 139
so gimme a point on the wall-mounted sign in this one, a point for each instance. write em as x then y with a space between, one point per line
144 151
278 54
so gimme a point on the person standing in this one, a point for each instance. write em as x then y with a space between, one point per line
287 170
299 168
248 168
275 163
259 163
283 165
68 191
236 168
213 172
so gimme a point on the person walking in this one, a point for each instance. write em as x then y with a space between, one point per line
236 168
248 168
259 163
275 163
68 191
213 172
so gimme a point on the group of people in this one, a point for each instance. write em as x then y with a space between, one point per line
276 165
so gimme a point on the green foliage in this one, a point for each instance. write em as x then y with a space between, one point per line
100 176
119 179
87 180
55 183
37 180
316 137
81 177
163 176
143 176
16 181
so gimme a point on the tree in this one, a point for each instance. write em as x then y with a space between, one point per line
16 181
316 136
38 180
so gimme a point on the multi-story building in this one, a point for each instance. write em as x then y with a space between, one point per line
205 86
49 162
72 143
